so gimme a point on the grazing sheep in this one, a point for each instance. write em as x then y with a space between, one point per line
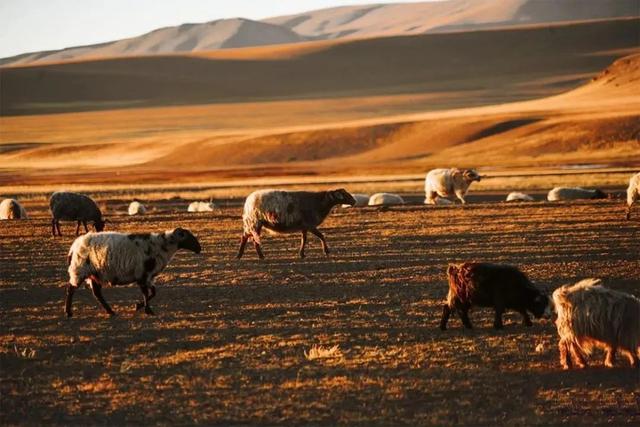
448 182
123 258
361 200
281 211
385 199
574 193
74 207
490 285
633 192
516 196
137 208
201 207
590 315
12 209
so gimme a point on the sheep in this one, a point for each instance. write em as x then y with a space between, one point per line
12 209
136 208
492 285
74 207
123 258
590 315
361 200
281 211
201 207
448 182
633 192
385 199
516 196
574 193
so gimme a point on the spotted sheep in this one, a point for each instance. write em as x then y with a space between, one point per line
123 258
589 316
280 211
447 183
633 192
74 207
12 209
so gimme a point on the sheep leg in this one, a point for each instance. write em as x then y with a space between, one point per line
53 227
463 312
565 358
303 242
633 358
145 296
460 196
446 312
78 228
152 293
243 243
431 197
610 357
526 320
256 240
577 355
69 299
319 235
628 212
96 288
58 227
86 230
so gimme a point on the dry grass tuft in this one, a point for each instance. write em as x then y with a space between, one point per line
320 352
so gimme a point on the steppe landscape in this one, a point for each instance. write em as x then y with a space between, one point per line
532 96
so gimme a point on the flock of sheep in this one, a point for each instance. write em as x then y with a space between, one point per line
588 314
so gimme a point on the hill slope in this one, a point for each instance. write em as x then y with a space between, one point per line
482 67
375 20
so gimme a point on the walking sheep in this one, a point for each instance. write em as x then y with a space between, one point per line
491 285
385 199
590 315
281 211
74 207
123 258
136 208
633 192
447 183
12 209
574 193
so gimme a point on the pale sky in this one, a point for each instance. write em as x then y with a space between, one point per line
35 25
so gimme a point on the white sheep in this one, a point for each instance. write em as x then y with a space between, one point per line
136 208
201 207
516 196
123 258
361 200
447 183
12 209
633 192
385 199
574 193
74 207
280 211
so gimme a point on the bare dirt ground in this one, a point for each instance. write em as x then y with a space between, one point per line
228 342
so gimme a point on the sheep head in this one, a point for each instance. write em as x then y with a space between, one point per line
185 240
471 175
341 197
99 224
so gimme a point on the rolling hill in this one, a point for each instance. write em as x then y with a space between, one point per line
481 67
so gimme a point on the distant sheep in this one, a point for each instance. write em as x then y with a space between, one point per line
590 315
633 192
385 199
137 208
361 200
491 285
201 207
516 196
574 193
74 207
281 211
12 209
123 258
448 182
